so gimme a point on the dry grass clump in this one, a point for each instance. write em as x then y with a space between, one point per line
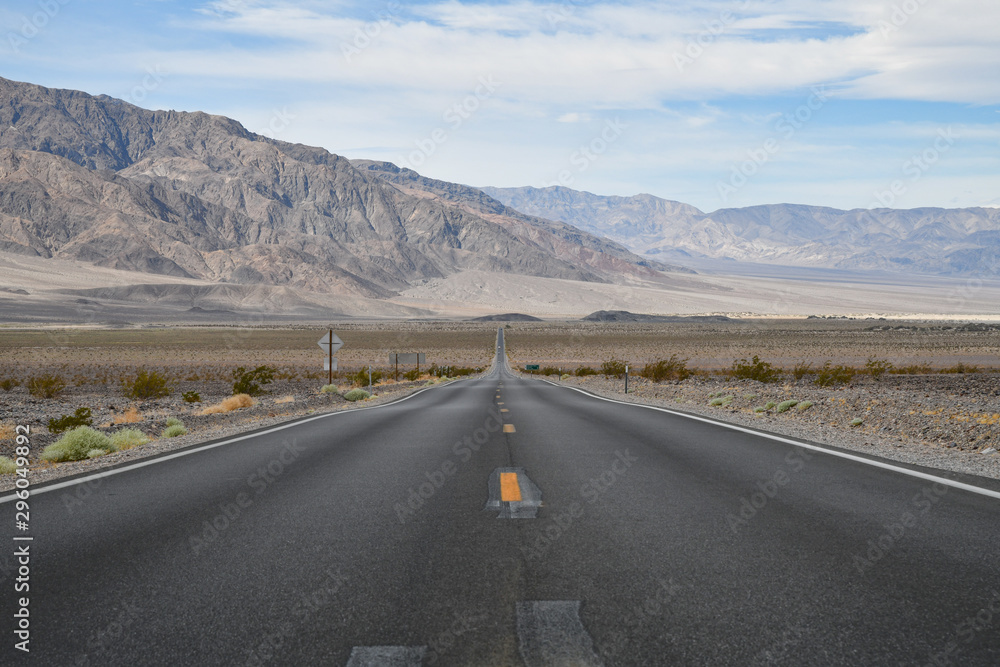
286 399
6 431
130 416
228 405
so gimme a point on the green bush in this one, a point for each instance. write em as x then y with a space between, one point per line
564 376
252 382
724 401
584 371
127 438
755 369
79 418
550 370
877 367
412 375
784 405
173 431
832 375
760 408
174 421
805 405
614 368
913 369
356 395
666 369
7 466
77 444
960 368
191 397
9 383
329 389
146 385
801 370
46 386
94 453
360 379
770 405
857 422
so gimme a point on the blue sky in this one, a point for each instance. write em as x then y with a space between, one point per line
844 103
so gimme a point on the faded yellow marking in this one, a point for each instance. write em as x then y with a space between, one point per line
504 410
510 490
508 428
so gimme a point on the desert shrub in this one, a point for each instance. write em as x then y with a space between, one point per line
411 375
857 422
770 405
356 395
830 375
174 431
755 369
130 416
191 397
127 438
7 431
759 409
784 405
229 404
912 369
75 445
146 385
79 418
174 421
801 370
564 376
46 386
8 384
805 405
94 453
252 382
550 370
7 466
877 367
960 368
614 368
286 399
360 379
724 401
666 369
584 371
329 389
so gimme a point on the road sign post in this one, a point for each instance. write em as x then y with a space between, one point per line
626 379
330 343
410 358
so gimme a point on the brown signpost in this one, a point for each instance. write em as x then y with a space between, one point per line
409 358
330 343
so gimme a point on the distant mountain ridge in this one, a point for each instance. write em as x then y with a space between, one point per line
924 240
96 179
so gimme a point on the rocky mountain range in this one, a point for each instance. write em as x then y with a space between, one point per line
959 242
192 195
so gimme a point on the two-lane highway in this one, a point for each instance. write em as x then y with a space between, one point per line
510 521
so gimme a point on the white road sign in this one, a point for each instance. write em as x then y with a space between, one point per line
325 342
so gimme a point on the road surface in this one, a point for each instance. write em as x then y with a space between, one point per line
510 521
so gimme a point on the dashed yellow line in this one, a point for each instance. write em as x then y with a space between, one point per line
504 409
508 428
510 490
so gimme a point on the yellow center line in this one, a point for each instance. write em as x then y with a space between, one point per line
508 428
510 490
504 410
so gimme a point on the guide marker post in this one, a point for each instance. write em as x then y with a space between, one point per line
330 343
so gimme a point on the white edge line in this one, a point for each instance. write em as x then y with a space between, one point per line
186 452
797 443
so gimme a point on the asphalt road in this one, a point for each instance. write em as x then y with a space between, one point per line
565 530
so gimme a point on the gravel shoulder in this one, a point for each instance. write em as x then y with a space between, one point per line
947 422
